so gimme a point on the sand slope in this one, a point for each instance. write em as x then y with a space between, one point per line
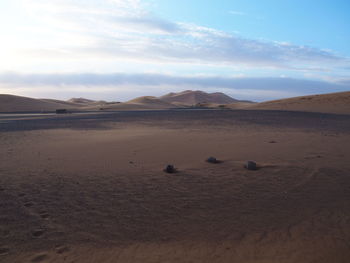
11 103
189 97
140 103
151 101
236 105
328 103
62 102
81 100
87 103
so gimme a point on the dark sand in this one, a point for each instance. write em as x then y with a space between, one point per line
90 187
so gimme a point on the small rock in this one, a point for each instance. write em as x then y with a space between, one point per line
170 169
38 233
272 142
212 160
250 165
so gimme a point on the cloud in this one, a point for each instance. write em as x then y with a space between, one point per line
91 16
129 85
237 13
115 29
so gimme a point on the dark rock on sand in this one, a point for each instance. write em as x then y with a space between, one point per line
250 165
170 169
212 160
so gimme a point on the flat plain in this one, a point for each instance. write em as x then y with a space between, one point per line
90 187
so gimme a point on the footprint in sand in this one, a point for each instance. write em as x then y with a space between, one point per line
38 233
44 214
28 204
4 251
40 257
62 249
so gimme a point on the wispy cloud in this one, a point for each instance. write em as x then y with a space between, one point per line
116 29
237 13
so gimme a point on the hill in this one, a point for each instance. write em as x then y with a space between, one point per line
190 97
12 103
150 102
81 101
328 103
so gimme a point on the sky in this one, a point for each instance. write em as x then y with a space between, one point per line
121 49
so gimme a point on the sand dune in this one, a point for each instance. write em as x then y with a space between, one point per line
62 102
239 105
140 103
189 97
11 103
151 101
327 103
236 105
81 101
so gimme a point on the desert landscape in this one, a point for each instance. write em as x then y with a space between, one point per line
153 131
90 185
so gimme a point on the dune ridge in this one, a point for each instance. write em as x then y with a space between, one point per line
12 103
327 103
189 97
337 103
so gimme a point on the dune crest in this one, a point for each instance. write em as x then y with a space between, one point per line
190 97
81 100
338 103
12 103
328 103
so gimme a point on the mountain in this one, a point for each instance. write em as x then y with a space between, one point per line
328 103
189 97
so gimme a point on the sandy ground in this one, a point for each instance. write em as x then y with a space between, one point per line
92 189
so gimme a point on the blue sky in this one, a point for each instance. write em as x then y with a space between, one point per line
119 49
322 23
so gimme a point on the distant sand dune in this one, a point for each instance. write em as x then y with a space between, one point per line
81 100
236 105
189 97
11 103
150 101
62 102
140 103
328 103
